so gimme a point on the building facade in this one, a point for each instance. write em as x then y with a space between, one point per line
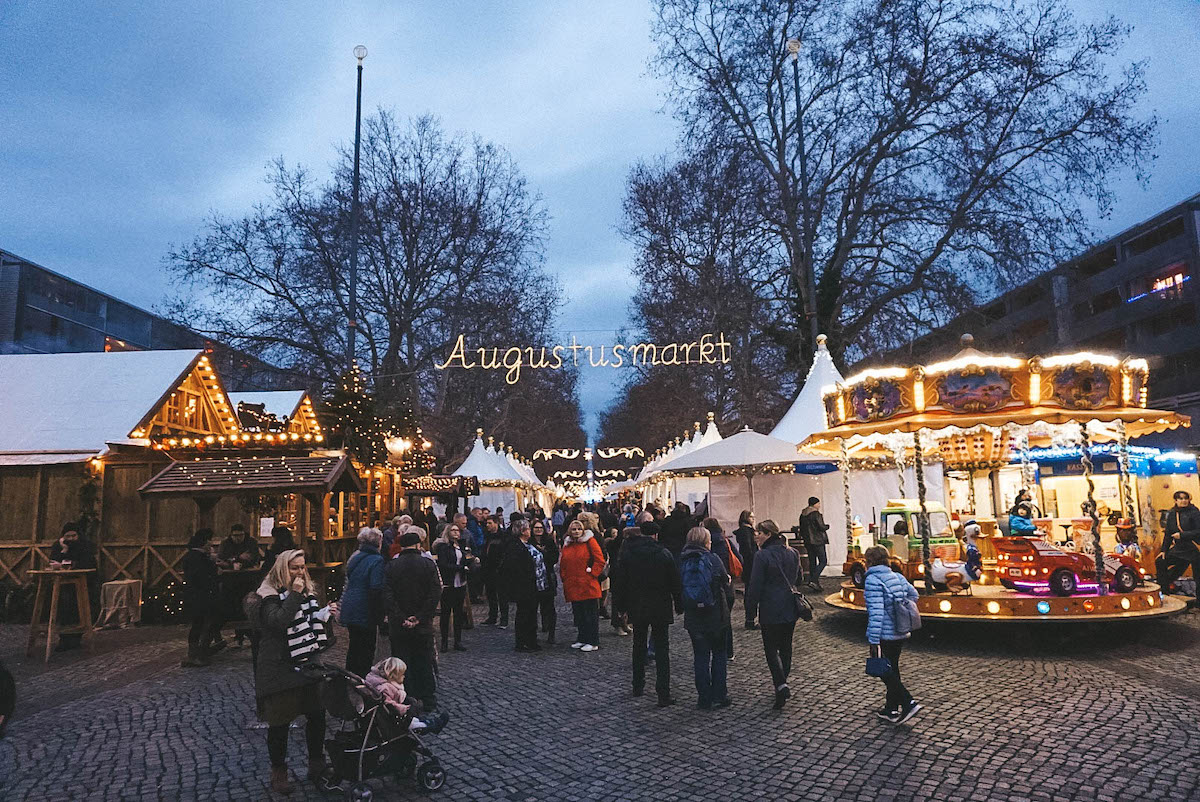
1131 294
43 312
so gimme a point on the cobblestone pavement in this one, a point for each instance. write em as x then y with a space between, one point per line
1037 713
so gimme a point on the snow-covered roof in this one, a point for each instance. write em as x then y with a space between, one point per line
63 403
746 449
807 413
280 403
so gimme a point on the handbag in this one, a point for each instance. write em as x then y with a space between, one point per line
735 565
604 572
877 664
803 606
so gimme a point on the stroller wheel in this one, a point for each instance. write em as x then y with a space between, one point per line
431 776
359 792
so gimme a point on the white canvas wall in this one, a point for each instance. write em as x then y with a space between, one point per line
493 497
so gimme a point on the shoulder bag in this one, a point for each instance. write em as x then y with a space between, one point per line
877 664
906 616
804 607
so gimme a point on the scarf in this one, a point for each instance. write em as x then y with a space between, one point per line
307 635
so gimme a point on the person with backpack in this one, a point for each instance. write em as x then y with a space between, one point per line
726 550
646 587
883 590
770 594
707 597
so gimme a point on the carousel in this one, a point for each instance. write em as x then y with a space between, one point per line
976 413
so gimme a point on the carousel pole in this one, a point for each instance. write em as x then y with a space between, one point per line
1123 468
898 454
846 499
1085 448
971 491
923 518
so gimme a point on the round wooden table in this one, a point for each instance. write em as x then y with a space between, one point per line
56 578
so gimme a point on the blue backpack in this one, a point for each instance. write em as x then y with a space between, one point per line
696 577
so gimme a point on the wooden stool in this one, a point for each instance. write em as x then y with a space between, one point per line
77 577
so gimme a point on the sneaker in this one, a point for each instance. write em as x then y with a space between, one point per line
906 713
502 625
589 647
623 632
785 691
577 645
883 714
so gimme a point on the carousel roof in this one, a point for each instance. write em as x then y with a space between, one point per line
807 413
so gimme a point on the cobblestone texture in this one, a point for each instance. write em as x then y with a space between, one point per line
1039 714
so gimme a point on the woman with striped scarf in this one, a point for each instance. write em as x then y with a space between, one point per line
293 629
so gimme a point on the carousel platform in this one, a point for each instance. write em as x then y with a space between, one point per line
996 603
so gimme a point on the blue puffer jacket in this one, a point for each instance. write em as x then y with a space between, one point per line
1020 525
364 583
882 586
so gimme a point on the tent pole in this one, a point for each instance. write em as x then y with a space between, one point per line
750 482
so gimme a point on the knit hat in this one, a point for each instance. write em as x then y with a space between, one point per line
409 538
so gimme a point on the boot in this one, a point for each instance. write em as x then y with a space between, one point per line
279 780
317 768
550 637
196 657
445 645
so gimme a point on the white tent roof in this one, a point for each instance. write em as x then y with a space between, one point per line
487 466
61 403
807 413
280 403
711 435
746 449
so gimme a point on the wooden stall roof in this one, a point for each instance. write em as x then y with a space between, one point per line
464 486
228 476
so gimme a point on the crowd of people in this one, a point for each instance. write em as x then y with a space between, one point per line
639 569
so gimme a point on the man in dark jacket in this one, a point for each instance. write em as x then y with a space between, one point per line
645 584
239 557
412 590
1181 542
814 531
495 544
525 574
673 534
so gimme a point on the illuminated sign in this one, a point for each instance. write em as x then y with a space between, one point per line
710 349
630 453
550 453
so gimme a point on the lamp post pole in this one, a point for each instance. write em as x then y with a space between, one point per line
805 244
360 53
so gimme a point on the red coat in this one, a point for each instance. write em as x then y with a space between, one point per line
578 583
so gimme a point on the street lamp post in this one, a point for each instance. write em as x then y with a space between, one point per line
806 243
360 53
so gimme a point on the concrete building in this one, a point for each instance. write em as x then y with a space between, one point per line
1131 294
45 312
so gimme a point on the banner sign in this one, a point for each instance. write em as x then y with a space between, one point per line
710 349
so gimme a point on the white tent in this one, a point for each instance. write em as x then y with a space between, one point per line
806 415
500 484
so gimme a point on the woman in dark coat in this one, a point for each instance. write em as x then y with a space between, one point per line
454 563
709 627
770 593
362 601
201 597
523 574
747 548
544 541
285 601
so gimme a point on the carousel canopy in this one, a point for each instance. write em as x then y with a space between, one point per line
977 404
806 415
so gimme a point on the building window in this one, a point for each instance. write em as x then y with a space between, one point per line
1154 237
1166 283
1171 320
1097 262
41 331
1111 339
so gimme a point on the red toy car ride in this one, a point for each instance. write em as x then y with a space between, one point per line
1034 565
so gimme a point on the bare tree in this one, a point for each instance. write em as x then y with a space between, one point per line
451 242
922 154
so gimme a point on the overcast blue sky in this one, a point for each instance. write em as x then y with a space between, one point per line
123 124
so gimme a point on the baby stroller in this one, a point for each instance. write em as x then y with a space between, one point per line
373 741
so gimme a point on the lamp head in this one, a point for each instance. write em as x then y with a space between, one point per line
793 48
360 53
